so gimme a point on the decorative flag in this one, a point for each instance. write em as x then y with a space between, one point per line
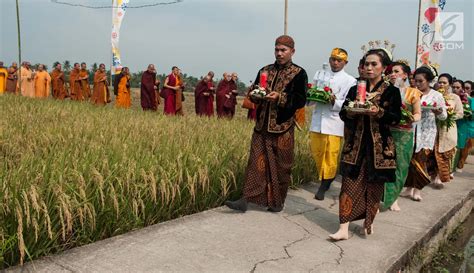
118 12
429 47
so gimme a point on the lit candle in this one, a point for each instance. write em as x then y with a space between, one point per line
361 91
263 79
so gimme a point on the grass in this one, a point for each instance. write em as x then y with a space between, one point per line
72 173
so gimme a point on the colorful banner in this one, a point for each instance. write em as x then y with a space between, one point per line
118 12
429 46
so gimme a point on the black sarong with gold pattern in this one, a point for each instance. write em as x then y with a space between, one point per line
268 173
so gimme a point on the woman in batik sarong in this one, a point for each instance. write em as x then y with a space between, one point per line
465 125
446 140
403 134
368 156
433 107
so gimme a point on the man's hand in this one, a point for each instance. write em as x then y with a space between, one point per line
273 96
332 99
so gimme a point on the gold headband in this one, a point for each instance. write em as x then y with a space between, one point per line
339 54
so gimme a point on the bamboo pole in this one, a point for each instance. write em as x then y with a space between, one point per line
19 44
417 35
286 18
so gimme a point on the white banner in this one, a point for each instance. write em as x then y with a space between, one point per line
118 12
430 45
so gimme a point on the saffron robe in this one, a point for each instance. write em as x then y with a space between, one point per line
27 85
42 84
3 79
100 95
75 85
123 99
85 87
179 96
148 94
58 83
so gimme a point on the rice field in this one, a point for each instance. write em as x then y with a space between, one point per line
72 173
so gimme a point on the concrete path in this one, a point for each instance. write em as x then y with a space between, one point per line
295 240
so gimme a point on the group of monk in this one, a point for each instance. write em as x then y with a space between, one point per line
225 95
41 84
31 84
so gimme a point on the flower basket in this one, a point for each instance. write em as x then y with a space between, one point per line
407 116
319 94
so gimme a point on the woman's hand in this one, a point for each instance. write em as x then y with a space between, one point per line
273 96
437 111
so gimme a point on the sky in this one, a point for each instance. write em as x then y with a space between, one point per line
222 35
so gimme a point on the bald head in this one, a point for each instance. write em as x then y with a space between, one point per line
151 68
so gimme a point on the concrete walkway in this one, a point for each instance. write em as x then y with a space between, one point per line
295 240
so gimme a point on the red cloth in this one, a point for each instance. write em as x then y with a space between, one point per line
148 98
210 100
223 89
170 96
252 114
201 102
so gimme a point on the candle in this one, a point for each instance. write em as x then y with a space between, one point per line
361 91
263 79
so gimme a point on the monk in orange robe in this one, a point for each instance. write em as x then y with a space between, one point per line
75 83
100 94
58 83
84 77
42 82
27 77
3 78
122 89
12 79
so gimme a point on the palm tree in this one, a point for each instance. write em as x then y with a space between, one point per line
67 66
94 67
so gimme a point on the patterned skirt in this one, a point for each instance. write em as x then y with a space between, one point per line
440 163
417 172
404 147
268 173
359 199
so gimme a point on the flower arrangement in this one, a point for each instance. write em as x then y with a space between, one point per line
407 116
258 93
357 106
449 121
319 94
467 111
428 105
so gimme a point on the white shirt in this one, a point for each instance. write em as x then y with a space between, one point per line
325 118
426 128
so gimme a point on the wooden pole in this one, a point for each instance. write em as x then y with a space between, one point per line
286 18
19 44
417 35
